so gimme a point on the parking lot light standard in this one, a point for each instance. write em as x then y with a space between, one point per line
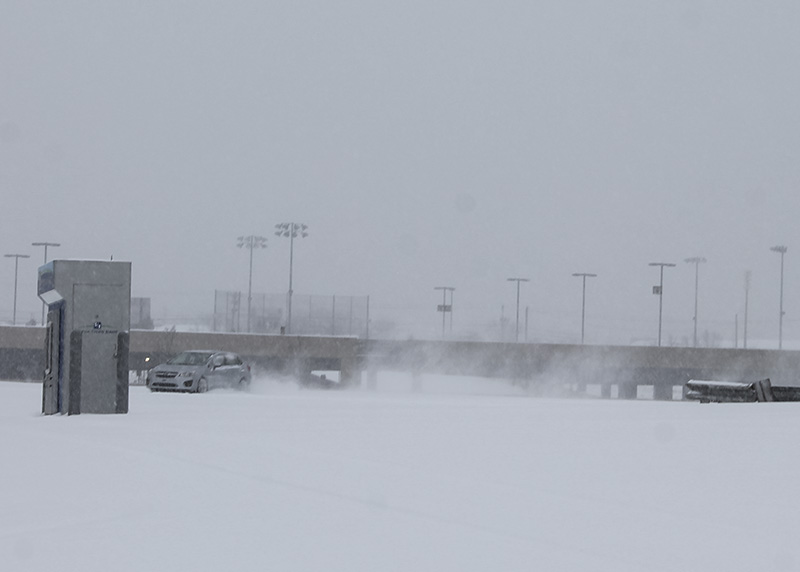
251 242
659 291
291 230
444 308
782 251
583 275
697 261
16 258
517 280
747 277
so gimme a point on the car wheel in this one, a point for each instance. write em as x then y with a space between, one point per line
202 385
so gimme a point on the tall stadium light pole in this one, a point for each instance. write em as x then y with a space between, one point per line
660 293
584 276
444 308
45 244
517 280
451 311
747 275
697 261
250 242
291 230
16 258
782 251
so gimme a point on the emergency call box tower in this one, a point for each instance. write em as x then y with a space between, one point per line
87 337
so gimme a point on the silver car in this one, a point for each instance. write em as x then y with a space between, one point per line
197 371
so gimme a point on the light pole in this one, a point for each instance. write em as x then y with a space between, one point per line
250 242
659 291
16 258
517 280
782 251
583 275
747 275
697 261
45 244
444 308
291 230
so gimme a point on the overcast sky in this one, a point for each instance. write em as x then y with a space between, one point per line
424 144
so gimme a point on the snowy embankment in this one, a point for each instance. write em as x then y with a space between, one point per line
285 479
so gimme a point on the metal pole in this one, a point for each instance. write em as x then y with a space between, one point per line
583 313
16 271
660 303
291 263
444 308
696 260
584 276
251 242
661 294
780 322
696 283
526 323
452 291
517 280
516 336
250 291
746 300
781 250
290 229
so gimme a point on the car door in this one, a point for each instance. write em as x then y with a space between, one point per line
239 370
232 369
216 374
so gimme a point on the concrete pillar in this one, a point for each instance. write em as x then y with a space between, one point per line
372 379
662 391
350 374
628 390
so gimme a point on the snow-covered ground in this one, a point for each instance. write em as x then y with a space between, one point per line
463 476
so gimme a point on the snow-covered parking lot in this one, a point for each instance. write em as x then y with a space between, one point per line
485 479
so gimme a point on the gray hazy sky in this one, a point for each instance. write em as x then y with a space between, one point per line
424 143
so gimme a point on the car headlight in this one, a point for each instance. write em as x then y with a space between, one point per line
185 374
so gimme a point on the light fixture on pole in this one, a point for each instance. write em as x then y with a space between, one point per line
659 291
250 242
517 280
697 261
444 308
782 251
584 276
291 230
16 258
45 244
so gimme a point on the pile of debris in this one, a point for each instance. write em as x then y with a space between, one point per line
739 391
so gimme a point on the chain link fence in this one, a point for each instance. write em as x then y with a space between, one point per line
312 315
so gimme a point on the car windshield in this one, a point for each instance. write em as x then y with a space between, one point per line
190 358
